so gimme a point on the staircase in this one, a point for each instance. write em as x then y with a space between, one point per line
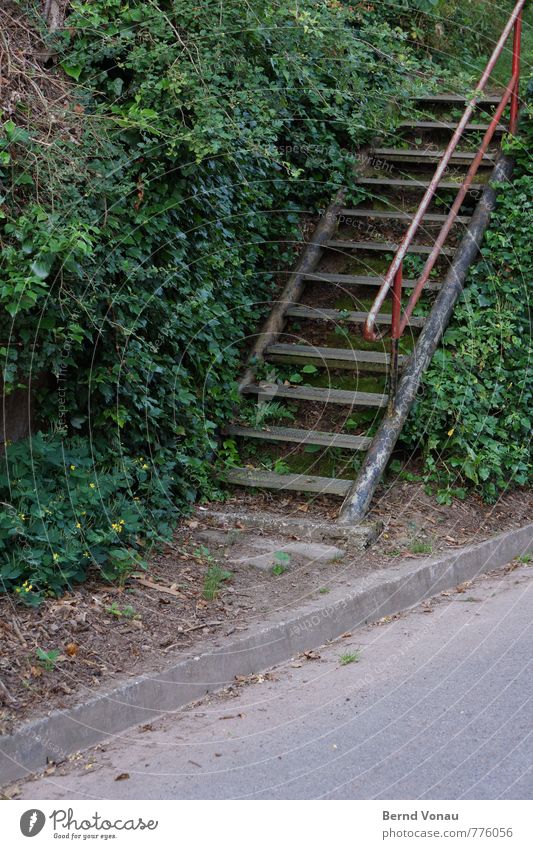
323 376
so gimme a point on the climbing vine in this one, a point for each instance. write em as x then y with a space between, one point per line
474 420
142 226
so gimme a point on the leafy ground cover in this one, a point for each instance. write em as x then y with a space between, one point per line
144 217
155 162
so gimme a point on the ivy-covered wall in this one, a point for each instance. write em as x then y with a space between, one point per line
141 230
153 177
473 422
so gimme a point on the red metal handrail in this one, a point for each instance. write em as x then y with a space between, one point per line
393 278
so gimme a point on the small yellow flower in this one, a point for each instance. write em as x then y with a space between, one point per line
91 485
72 468
55 556
451 432
22 516
144 466
78 525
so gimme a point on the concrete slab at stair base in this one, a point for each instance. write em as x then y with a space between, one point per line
357 537
310 552
383 593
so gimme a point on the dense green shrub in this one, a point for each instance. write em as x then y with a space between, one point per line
474 420
139 245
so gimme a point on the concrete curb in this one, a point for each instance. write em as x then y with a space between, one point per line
140 700
358 537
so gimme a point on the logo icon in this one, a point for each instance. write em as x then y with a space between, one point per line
32 822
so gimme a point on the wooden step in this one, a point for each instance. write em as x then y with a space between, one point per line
491 99
314 393
391 247
320 313
448 125
413 154
413 184
429 217
300 483
303 437
334 358
363 280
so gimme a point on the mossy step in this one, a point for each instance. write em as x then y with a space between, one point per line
353 316
414 154
365 280
491 99
448 125
414 184
429 217
336 358
300 436
323 395
347 244
301 483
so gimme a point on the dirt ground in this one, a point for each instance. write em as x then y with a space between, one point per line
102 635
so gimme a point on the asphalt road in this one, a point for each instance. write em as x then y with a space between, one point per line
437 706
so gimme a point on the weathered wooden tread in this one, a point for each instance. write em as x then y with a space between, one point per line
364 280
316 393
396 154
320 313
429 217
332 357
304 437
300 483
448 125
347 244
413 184
458 98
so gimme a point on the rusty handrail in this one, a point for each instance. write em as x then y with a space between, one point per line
393 278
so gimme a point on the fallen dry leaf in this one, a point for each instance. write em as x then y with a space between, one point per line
72 649
311 655
123 776
11 792
162 589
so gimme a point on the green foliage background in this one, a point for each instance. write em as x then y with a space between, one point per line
474 420
140 245
139 249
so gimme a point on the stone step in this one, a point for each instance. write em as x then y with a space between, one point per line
414 184
448 125
320 313
323 395
413 154
429 217
490 99
364 280
333 358
389 247
300 436
301 483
